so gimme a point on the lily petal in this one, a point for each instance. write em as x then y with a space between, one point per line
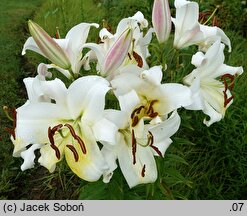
29 157
91 90
143 171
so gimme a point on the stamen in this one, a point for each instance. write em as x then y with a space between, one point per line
72 131
133 147
143 171
13 118
231 85
57 152
82 144
227 86
51 133
11 132
150 108
135 121
76 137
138 59
155 148
134 116
72 148
136 111
56 128
50 136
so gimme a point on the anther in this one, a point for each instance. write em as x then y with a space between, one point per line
56 128
138 59
57 152
133 147
151 142
76 137
72 131
82 144
73 150
227 86
50 136
135 121
143 171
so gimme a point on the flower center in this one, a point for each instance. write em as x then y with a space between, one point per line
143 111
58 128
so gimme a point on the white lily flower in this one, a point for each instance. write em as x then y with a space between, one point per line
63 124
135 150
189 31
122 48
157 98
210 94
69 48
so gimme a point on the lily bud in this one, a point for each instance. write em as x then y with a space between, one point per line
118 52
161 19
48 46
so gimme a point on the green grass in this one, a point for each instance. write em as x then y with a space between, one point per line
202 163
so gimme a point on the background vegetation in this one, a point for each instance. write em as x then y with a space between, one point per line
202 163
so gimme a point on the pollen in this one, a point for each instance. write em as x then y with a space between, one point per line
73 150
133 147
77 138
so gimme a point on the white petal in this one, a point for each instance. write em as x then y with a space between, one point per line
214 115
105 34
29 157
56 90
119 118
170 97
197 99
198 59
105 131
99 52
91 165
43 71
145 164
33 121
31 45
128 80
77 37
162 146
226 69
212 33
48 157
166 129
153 75
86 96
110 155
129 101
187 14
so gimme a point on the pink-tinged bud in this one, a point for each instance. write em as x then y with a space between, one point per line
48 46
118 52
161 19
